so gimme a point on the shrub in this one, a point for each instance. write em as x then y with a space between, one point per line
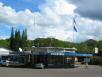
96 60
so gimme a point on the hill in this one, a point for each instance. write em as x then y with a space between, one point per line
84 47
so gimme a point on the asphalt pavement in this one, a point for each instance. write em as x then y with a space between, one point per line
80 71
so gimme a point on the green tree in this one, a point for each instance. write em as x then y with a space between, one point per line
12 39
17 40
24 38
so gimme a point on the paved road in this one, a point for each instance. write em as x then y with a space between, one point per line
92 71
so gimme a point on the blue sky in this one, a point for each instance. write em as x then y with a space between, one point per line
4 30
53 18
19 5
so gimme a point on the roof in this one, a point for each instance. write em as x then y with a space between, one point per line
4 51
45 49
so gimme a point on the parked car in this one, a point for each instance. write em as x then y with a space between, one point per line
10 63
2 62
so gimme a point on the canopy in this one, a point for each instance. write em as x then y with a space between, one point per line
4 51
77 54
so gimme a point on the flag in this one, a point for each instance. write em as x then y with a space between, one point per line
74 21
75 29
74 25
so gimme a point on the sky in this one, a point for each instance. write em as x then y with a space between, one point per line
52 18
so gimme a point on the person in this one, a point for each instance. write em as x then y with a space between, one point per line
86 60
7 62
86 66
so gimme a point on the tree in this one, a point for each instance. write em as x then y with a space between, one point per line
24 38
12 39
17 40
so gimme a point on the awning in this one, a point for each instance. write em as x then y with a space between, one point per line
77 54
71 54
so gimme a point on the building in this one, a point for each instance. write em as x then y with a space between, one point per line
48 56
52 56
56 56
4 51
12 58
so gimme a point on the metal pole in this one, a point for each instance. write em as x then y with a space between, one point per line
73 32
34 27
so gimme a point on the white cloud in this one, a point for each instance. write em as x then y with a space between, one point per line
51 16
10 16
53 20
3 37
61 7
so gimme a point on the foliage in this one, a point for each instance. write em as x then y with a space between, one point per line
45 42
97 60
24 39
4 43
12 39
18 39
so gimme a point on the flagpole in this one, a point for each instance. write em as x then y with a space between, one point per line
74 29
34 29
73 32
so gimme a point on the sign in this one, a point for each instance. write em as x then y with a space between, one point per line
57 53
96 50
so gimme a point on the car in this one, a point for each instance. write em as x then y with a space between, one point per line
11 63
15 63
2 62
